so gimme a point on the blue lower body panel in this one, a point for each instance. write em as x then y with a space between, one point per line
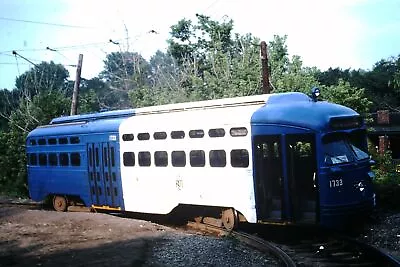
341 217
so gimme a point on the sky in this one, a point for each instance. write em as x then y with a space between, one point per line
325 33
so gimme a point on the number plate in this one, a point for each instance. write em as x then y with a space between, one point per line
335 183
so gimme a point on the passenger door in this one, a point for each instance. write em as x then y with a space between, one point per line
301 172
104 174
268 178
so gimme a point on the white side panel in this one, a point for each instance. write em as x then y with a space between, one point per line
160 189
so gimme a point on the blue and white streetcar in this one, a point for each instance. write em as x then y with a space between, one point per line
278 158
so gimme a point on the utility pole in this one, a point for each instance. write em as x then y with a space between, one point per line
264 66
75 95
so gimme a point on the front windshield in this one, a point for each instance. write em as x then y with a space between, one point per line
342 148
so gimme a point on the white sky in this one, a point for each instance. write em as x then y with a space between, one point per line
325 33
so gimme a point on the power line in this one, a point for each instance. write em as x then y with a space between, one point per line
211 5
11 63
60 47
47 23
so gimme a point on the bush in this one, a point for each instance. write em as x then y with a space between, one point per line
387 181
386 170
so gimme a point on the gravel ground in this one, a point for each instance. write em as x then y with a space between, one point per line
188 250
384 232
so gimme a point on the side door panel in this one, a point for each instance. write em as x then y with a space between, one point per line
269 178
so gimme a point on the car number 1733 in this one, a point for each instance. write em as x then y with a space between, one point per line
335 183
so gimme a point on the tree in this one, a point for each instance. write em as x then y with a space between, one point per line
381 84
9 101
39 97
124 71
343 93
45 76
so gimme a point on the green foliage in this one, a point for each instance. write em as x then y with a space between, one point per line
385 169
39 111
9 101
343 93
387 181
123 72
45 76
381 84
13 179
33 109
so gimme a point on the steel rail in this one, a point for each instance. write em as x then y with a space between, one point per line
265 246
250 240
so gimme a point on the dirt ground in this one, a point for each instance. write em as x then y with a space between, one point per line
34 237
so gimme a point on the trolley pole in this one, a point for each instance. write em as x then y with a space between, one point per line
75 95
264 65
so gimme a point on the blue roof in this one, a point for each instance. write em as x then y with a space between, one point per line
299 110
71 128
94 116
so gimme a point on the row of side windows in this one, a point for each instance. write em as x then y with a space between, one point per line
54 159
55 141
217 158
198 133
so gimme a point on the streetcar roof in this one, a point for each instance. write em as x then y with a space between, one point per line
300 112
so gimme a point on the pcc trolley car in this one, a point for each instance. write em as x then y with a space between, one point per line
278 158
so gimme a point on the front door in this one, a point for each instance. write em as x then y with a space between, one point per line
268 178
302 179
103 174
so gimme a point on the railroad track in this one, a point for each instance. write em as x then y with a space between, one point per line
310 247
22 202
319 247
251 240
337 251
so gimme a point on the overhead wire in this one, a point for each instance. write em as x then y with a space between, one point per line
47 23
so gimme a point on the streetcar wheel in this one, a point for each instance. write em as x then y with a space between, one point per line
60 203
229 219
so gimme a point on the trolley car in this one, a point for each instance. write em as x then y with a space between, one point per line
278 158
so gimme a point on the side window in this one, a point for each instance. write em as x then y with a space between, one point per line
197 158
42 159
42 141
143 136
129 158
52 141
161 158
177 134
53 159
159 135
63 141
112 156
127 137
96 156
240 158
32 142
32 159
238 131
105 156
217 158
64 159
144 158
196 133
218 132
75 159
74 140
178 158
